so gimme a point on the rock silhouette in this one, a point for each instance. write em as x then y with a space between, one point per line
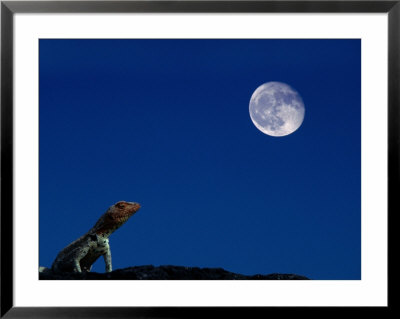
166 272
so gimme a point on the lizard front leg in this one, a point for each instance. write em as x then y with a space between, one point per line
107 259
80 253
77 266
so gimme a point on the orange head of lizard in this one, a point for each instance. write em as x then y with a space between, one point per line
116 216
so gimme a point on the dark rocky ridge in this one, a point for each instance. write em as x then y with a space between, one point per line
150 272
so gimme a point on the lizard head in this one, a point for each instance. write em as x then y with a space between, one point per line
115 217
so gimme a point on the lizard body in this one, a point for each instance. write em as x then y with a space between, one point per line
80 255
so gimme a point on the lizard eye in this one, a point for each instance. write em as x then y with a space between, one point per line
120 205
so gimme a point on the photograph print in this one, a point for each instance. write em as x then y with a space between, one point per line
200 159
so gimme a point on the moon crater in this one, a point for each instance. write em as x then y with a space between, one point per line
276 109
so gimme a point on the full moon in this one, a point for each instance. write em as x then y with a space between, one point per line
276 109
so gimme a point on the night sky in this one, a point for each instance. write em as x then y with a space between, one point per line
166 123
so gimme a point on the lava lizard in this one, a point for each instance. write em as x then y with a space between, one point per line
80 255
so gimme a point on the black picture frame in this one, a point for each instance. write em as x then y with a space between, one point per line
9 8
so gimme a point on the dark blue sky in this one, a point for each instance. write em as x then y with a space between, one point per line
166 123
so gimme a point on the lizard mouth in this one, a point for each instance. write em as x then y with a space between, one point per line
135 206
132 209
